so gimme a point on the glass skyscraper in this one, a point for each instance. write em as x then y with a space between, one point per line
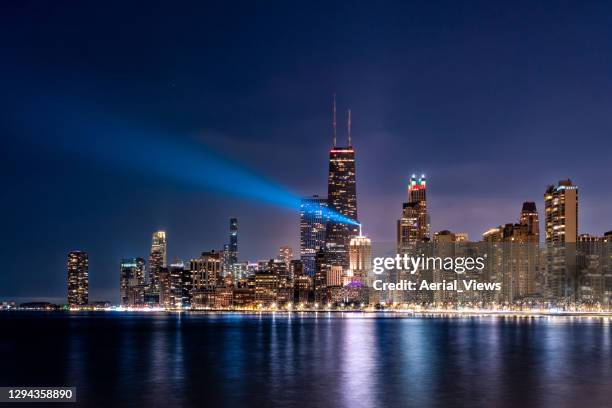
158 258
313 223
233 242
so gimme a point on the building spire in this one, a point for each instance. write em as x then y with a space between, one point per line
349 128
334 119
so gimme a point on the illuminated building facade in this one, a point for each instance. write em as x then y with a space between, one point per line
313 224
206 270
266 287
341 198
78 278
233 242
158 258
413 226
561 228
529 217
561 211
509 261
180 284
132 282
360 257
285 254
334 276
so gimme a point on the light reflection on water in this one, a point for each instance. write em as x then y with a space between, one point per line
302 359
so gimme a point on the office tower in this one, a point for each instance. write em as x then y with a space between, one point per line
78 278
561 221
413 226
360 257
341 197
266 287
225 260
176 281
285 254
206 270
313 223
233 242
131 282
187 286
158 258
165 287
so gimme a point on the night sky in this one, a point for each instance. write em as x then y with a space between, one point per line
108 109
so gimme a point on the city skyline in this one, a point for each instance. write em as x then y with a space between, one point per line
219 265
490 113
227 253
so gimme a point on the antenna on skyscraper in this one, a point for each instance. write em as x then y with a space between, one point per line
349 127
334 119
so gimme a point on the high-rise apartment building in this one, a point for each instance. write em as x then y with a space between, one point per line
313 224
78 278
561 227
529 217
561 212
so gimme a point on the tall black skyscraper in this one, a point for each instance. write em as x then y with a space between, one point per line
233 242
341 197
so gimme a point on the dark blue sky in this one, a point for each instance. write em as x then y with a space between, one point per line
492 101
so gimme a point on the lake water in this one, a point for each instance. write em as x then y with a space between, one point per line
351 360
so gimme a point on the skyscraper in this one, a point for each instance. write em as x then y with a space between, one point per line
322 267
561 206
561 212
131 281
361 257
413 226
206 270
341 197
313 223
233 242
158 258
78 278
179 294
529 217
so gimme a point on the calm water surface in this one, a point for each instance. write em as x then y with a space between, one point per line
226 360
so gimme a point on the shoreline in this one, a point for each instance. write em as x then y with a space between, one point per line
436 313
